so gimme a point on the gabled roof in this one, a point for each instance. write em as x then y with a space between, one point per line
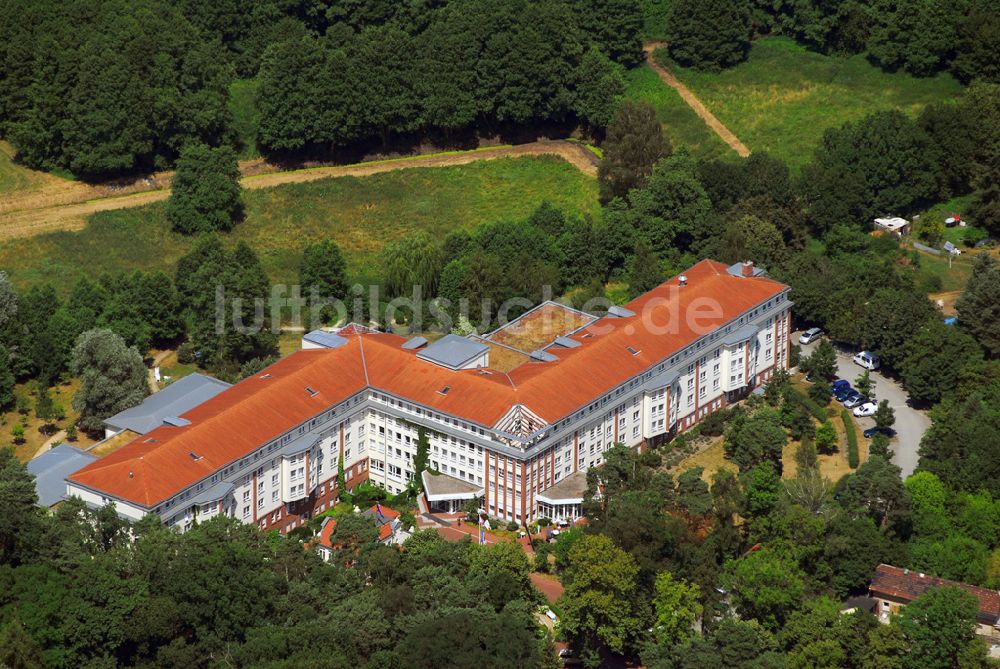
906 585
180 396
51 468
242 418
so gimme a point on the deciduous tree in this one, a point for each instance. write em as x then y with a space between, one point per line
205 194
112 375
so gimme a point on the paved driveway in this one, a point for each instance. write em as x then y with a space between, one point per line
910 423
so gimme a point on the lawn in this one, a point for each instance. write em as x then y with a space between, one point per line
680 124
34 438
784 97
361 214
243 106
14 177
953 273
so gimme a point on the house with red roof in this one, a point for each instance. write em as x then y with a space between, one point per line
387 522
509 415
895 587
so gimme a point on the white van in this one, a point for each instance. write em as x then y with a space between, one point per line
867 359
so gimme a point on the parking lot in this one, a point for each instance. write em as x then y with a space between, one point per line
910 423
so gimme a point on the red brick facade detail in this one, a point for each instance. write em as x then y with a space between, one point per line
293 514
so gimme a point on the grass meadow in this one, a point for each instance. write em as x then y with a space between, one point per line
784 97
243 106
14 177
361 214
680 124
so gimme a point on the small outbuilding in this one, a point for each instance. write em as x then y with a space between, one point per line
894 224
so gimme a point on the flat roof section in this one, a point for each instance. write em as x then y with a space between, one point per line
176 399
540 326
567 491
441 487
51 468
504 358
452 351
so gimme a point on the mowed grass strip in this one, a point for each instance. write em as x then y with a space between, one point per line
14 177
361 214
784 97
681 125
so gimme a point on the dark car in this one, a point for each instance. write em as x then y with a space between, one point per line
838 385
843 393
872 431
849 395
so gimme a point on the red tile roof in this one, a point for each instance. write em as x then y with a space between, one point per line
326 532
906 585
248 415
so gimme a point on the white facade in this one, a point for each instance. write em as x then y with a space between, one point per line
285 481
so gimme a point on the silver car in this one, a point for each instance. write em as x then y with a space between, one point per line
810 335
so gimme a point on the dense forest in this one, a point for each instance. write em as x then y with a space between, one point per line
103 88
108 87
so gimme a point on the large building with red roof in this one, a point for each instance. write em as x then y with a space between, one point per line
267 450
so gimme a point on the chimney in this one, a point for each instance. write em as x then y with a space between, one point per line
747 268
682 280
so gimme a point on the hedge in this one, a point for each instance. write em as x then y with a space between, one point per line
818 412
852 439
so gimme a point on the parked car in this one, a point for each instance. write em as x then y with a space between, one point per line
867 359
855 400
866 409
872 431
844 396
838 385
810 335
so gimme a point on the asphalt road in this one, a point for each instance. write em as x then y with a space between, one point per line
910 423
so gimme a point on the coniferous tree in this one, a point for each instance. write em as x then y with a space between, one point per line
979 306
646 271
599 89
634 143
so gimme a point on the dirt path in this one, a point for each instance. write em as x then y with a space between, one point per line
701 110
151 374
65 205
58 437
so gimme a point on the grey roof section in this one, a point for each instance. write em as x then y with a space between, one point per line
176 421
567 491
566 342
300 445
741 335
414 343
453 351
543 356
620 312
324 339
441 487
214 494
736 269
661 380
173 401
51 469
